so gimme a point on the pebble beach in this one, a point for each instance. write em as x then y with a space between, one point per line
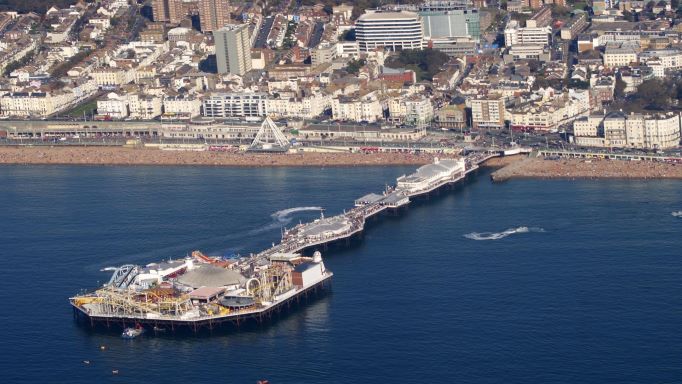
133 156
509 167
587 169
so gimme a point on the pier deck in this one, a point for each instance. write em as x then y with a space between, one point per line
329 230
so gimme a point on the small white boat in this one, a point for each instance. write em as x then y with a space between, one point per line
677 214
131 333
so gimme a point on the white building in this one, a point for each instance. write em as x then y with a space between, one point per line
416 110
588 126
620 54
189 106
529 51
325 52
488 112
390 30
114 106
244 105
144 107
515 34
293 107
661 61
43 104
110 76
348 49
367 108
430 175
536 117
27 104
631 131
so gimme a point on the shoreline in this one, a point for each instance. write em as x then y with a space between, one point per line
504 168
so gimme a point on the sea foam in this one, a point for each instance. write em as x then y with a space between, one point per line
501 235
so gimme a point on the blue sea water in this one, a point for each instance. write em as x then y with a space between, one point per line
589 292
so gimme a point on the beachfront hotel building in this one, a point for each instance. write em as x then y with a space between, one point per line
27 104
488 112
227 105
389 30
629 131
368 108
307 107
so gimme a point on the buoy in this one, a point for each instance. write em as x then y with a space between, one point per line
102 347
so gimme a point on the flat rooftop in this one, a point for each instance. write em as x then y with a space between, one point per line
335 224
388 15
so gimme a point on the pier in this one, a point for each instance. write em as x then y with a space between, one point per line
201 292
424 181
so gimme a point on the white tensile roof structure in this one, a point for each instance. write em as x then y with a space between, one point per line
269 138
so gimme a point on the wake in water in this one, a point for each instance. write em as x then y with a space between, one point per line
284 216
676 214
280 218
501 235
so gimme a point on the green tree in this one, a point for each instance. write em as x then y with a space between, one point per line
425 62
656 94
354 66
348 35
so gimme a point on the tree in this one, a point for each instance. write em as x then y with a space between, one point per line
61 69
629 16
425 62
656 94
354 66
560 12
619 90
674 4
348 35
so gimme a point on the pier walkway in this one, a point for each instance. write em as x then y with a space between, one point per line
324 231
